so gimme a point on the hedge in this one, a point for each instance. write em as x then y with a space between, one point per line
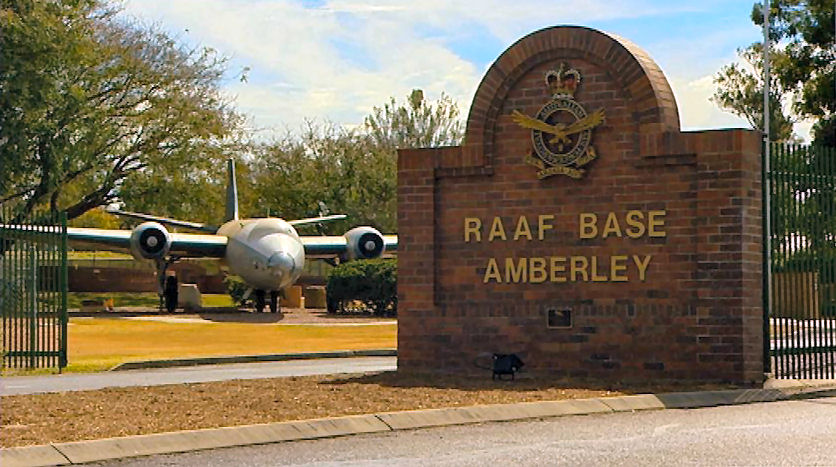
364 286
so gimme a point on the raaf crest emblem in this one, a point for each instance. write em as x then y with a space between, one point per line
561 131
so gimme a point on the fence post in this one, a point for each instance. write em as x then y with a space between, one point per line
62 358
33 308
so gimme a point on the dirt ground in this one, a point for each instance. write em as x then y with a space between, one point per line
72 416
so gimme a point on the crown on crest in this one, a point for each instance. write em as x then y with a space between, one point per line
563 81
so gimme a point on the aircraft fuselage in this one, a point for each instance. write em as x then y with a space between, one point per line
266 253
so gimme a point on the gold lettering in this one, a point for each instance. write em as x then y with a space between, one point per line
588 227
497 230
522 229
642 265
611 226
542 226
492 272
537 270
578 264
652 223
472 225
594 269
518 273
557 264
617 266
634 219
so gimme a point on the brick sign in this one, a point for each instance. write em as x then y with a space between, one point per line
580 228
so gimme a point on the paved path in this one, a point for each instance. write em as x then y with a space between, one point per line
799 432
196 374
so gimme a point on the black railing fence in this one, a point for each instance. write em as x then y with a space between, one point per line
802 260
33 289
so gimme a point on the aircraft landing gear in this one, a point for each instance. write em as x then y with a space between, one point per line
259 301
274 301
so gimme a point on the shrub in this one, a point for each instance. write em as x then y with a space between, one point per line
236 288
363 285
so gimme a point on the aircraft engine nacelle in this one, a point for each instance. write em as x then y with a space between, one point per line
150 240
364 243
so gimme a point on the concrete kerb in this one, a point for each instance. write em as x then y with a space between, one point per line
183 441
147 364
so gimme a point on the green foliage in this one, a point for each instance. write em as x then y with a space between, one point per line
327 170
416 124
89 101
806 57
236 288
353 172
740 91
803 62
369 284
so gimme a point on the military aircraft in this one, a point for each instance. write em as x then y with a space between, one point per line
267 253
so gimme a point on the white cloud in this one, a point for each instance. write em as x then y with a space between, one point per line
339 60
696 111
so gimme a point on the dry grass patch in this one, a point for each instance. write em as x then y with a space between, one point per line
72 416
99 344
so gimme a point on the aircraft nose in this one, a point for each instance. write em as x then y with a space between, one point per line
281 263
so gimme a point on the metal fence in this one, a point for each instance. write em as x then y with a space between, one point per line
33 289
802 317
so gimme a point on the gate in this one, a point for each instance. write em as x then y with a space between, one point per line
802 260
33 290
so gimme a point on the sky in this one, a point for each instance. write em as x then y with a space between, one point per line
335 60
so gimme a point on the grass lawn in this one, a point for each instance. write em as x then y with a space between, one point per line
97 344
143 299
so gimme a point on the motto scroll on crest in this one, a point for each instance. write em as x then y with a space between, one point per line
561 130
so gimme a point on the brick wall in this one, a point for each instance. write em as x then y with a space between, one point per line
697 313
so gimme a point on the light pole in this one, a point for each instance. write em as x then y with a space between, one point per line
767 198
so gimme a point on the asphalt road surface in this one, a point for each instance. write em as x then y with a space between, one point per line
194 374
792 433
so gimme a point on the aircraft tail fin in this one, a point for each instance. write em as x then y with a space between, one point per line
231 193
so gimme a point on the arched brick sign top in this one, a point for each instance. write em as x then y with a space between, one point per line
640 78
645 266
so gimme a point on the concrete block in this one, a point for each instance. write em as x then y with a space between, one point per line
182 441
31 456
189 297
688 400
293 297
314 297
633 403
429 418
520 411
581 406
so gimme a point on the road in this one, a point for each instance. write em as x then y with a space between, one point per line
195 374
779 433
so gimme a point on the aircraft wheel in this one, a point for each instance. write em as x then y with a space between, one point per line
259 301
274 301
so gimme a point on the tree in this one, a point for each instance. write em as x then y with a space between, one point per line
88 100
740 91
804 66
327 169
350 171
806 62
416 125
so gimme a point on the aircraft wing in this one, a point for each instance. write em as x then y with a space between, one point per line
329 246
316 220
182 244
165 220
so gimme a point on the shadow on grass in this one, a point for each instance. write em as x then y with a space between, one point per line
524 382
231 315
